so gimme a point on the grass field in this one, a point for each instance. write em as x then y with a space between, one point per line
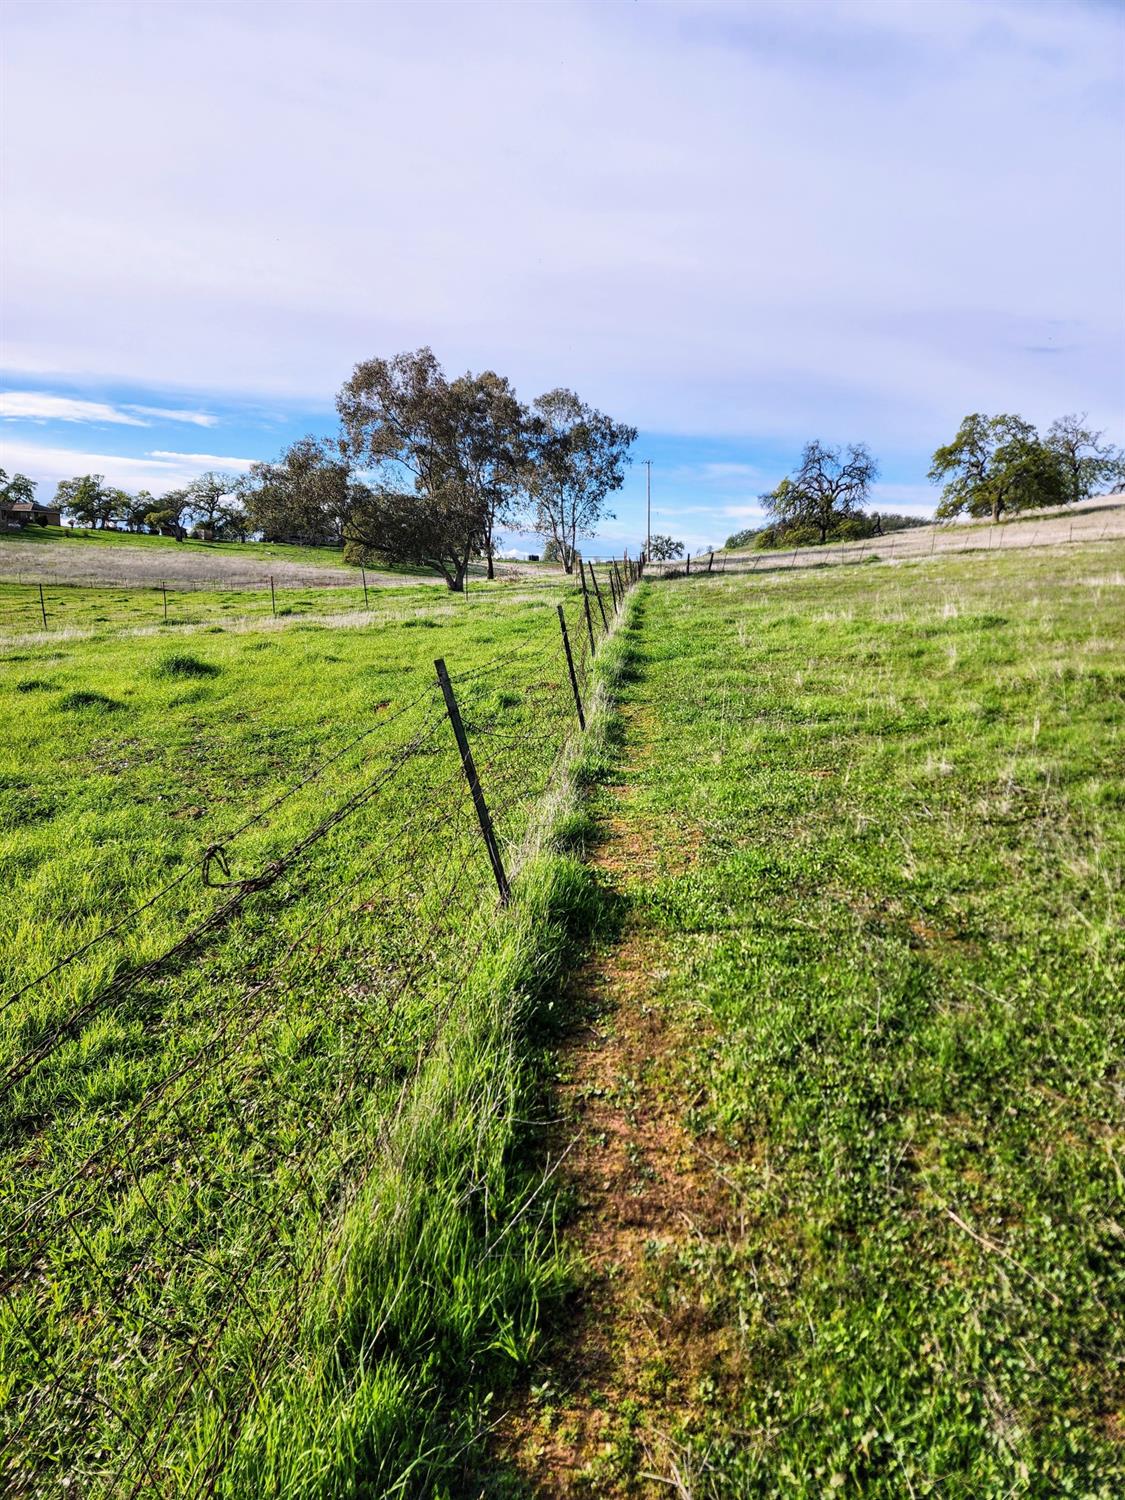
865 841
39 538
279 1214
239 1252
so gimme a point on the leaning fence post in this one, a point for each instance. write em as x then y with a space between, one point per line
363 575
598 592
710 562
570 669
613 586
474 782
273 598
42 607
586 604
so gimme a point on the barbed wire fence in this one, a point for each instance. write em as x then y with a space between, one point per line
186 1128
909 544
34 603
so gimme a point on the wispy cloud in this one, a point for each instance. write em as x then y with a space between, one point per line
173 414
42 406
36 406
204 460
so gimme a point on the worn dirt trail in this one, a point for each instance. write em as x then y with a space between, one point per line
629 1369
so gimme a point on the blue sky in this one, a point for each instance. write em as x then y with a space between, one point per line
735 226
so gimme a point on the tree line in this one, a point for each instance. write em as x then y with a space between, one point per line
993 466
424 469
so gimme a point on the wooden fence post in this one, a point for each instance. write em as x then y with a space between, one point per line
42 607
363 575
273 598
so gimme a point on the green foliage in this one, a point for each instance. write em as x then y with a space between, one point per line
664 548
996 465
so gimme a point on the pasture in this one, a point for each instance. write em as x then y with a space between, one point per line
252 958
846 1108
794 1055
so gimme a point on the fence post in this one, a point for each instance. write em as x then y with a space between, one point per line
687 569
273 598
598 592
164 596
710 562
570 669
42 607
363 575
471 777
586 604
613 586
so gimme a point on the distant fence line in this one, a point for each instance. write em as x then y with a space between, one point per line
32 606
932 540
119 1219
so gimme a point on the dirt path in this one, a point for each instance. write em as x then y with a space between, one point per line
640 1354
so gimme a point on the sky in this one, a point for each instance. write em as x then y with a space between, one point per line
735 226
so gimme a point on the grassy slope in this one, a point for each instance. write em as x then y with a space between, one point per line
43 536
901 943
123 757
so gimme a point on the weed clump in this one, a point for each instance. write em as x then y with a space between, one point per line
180 665
81 702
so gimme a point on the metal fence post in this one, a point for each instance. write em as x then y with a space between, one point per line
570 669
363 575
474 783
598 592
273 598
687 570
586 605
42 607
710 562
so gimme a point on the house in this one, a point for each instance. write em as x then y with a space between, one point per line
28 512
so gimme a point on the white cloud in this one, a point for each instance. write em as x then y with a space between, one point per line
173 414
156 471
204 460
39 407
869 262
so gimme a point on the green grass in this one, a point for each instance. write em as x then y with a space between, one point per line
900 955
75 539
263 1210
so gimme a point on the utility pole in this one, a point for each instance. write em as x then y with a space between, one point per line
648 507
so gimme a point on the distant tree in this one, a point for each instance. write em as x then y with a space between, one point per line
496 450
86 500
437 449
553 552
172 512
231 520
1088 463
575 458
207 495
664 549
829 486
17 489
133 510
306 495
996 464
